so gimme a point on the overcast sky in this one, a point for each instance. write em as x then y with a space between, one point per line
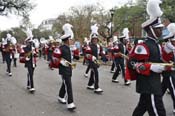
52 8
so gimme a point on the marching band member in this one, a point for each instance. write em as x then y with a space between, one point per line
85 60
54 63
168 52
110 49
117 52
88 52
100 53
51 48
65 68
8 51
2 52
92 53
129 47
145 59
76 53
30 55
15 54
45 50
114 52
74 50
85 44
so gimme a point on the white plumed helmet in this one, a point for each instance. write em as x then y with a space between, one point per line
154 11
8 36
126 33
29 35
67 28
13 40
115 39
171 29
36 42
94 29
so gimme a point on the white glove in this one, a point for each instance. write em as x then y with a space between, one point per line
88 55
64 63
11 57
94 58
157 68
27 58
33 52
34 65
169 47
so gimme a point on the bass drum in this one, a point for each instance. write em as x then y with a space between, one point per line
56 57
76 54
22 58
55 62
56 53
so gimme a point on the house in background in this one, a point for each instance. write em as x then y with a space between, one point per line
47 24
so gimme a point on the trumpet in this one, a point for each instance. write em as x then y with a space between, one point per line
97 63
164 64
28 54
73 65
123 55
171 64
9 47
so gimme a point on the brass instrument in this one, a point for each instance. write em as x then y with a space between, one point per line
53 45
164 64
73 65
123 55
97 63
9 47
28 54
171 64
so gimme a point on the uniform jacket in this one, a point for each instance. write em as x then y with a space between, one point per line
147 82
66 54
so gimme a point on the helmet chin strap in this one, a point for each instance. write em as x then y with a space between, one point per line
153 32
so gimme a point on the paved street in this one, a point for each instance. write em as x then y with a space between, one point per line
117 99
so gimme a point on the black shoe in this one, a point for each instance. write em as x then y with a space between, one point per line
28 87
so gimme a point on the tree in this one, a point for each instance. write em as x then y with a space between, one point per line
81 18
19 34
168 9
45 34
141 3
80 15
3 34
57 26
38 34
25 23
131 17
17 7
